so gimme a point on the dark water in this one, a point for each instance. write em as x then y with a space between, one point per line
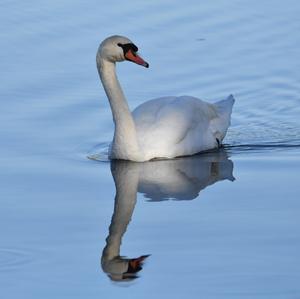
217 225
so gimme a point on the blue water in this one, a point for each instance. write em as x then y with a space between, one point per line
218 225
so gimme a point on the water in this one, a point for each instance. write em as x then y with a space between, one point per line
219 225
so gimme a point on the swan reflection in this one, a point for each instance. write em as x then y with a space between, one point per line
177 179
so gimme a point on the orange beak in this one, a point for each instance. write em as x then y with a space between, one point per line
134 57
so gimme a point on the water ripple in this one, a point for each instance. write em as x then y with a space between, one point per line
264 147
99 152
11 259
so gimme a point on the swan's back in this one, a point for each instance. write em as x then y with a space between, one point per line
177 126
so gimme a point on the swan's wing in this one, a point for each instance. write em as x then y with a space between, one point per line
174 126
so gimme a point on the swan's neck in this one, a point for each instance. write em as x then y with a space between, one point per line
125 145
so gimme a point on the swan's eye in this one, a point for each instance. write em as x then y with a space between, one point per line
134 48
127 47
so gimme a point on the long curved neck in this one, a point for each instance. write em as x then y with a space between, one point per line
125 145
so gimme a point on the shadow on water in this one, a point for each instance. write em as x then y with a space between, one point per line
177 179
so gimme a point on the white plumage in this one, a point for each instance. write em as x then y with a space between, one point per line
161 128
180 126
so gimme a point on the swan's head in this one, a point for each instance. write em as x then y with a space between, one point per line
119 48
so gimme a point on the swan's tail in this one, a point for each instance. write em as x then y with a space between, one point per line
224 107
222 122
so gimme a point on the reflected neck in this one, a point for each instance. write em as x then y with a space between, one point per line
126 177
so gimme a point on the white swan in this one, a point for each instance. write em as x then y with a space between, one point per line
161 128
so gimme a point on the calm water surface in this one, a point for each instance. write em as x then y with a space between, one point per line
218 225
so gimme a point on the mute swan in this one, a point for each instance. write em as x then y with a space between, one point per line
165 127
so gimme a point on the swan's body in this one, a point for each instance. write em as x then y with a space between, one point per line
161 128
180 126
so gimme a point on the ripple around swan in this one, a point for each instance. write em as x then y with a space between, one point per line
263 147
232 146
99 152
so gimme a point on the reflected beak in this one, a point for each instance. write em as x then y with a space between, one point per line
134 57
135 264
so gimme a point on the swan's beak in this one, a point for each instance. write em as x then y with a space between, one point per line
134 57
